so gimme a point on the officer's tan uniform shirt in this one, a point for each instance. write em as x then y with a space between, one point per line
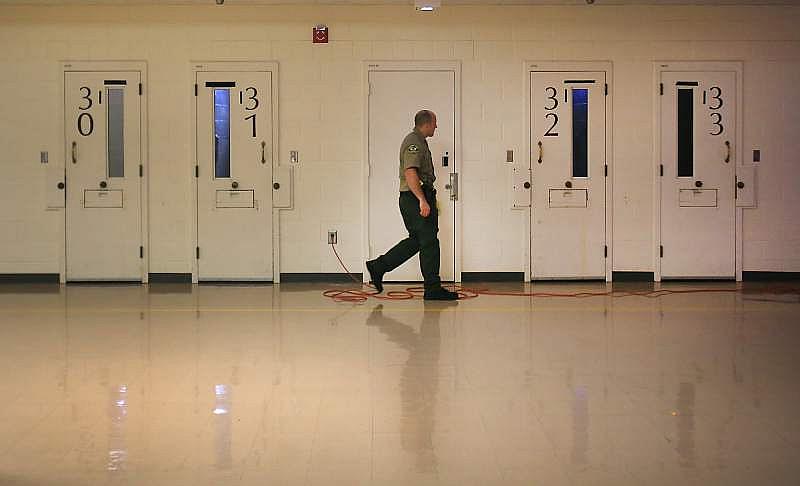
414 152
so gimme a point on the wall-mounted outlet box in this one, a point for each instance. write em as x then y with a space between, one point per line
333 237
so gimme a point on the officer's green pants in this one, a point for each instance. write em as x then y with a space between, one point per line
422 237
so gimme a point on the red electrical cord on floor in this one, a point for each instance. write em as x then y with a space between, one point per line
360 295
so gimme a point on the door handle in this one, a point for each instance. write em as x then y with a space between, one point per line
103 184
263 155
568 184
74 152
728 147
698 184
541 151
235 185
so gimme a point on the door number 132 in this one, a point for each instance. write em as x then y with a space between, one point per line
552 99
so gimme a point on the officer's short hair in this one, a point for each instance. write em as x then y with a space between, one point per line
423 117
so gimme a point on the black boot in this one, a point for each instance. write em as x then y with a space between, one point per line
375 277
440 294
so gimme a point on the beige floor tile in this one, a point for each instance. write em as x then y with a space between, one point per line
254 385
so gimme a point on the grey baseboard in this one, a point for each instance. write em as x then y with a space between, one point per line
28 278
237 283
770 276
319 277
492 276
102 283
633 276
170 278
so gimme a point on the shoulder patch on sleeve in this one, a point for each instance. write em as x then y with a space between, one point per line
413 148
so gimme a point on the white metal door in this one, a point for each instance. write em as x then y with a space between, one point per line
568 171
698 131
103 176
395 97
234 175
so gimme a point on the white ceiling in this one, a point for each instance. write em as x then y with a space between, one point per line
402 2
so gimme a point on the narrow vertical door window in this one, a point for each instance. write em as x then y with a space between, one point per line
580 132
685 132
222 133
116 132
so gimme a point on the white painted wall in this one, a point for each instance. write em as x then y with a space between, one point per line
321 113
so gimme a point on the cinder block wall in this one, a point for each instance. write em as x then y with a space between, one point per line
321 113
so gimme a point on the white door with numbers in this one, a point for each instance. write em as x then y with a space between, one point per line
568 171
697 174
234 175
394 99
103 176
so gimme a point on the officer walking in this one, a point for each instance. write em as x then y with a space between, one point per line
420 215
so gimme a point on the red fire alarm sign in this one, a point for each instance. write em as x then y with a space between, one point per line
321 34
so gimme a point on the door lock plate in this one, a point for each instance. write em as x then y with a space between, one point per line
453 186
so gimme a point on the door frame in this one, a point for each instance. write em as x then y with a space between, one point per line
378 66
233 66
530 67
66 66
701 66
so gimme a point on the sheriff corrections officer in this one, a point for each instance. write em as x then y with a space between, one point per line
420 215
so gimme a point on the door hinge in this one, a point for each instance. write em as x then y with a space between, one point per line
661 251
141 252
197 252
140 89
606 89
195 89
606 170
605 251
369 89
661 89
661 169
141 170
196 171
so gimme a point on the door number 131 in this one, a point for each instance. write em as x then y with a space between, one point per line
249 98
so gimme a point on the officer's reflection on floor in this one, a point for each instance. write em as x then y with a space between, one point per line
419 381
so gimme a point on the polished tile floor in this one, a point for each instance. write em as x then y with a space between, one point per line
256 385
